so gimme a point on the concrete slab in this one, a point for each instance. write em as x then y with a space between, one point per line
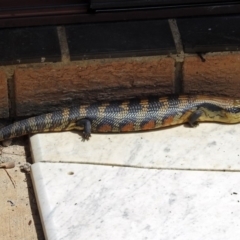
84 201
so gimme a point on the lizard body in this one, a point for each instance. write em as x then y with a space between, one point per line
130 115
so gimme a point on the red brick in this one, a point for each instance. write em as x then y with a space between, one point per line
218 75
4 108
49 88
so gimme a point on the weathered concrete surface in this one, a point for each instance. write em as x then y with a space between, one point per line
19 217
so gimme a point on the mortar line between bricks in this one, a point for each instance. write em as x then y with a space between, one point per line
178 80
62 37
176 36
11 97
179 58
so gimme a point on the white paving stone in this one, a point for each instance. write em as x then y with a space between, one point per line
209 146
95 202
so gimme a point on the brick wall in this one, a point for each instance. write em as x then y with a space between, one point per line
32 87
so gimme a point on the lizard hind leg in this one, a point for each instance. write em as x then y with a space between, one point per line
86 125
192 120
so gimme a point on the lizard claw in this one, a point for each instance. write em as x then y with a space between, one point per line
85 136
